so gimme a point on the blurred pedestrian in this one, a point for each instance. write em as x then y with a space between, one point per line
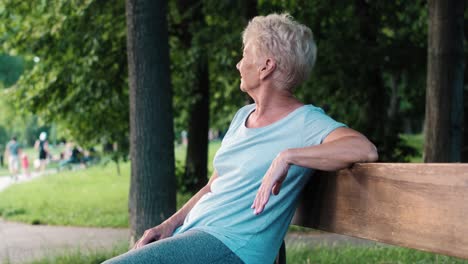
25 164
12 154
43 147
184 136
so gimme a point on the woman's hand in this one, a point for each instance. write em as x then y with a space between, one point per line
271 182
156 233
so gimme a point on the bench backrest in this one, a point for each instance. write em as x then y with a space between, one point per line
422 206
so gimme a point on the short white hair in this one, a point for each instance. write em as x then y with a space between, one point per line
290 43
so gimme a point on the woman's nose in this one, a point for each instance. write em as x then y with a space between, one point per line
238 65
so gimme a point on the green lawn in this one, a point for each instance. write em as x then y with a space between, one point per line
92 197
363 255
79 257
294 255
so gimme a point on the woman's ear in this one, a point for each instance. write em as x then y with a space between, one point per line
267 68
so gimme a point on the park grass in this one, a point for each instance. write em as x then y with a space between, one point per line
93 197
294 255
4 171
78 256
362 255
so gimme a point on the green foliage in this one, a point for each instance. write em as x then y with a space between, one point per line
25 126
80 81
416 141
11 68
3 139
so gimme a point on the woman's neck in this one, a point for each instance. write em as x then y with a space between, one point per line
271 105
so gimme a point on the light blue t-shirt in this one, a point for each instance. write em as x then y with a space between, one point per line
241 162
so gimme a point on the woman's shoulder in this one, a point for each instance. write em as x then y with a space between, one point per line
312 112
244 111
313 109
247 108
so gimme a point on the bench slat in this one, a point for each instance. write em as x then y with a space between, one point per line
421 206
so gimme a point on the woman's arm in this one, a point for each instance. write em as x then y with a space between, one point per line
166 228
339 150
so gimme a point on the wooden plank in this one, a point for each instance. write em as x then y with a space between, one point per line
421 206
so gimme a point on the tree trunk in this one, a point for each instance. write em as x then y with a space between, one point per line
444 91
196 161
197 150
152 187
370 76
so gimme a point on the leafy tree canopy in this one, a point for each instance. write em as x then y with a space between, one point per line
80 79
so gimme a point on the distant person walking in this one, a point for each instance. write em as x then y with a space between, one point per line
25 164
12 154
43 147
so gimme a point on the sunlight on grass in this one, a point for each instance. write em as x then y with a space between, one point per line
92 197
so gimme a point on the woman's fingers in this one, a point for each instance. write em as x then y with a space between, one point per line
262 197
271 184
149 236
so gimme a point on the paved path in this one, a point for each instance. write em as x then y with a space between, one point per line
7 181
20 243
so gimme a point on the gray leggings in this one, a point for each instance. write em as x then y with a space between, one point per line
189 247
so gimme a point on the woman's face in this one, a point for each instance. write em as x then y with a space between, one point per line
248 70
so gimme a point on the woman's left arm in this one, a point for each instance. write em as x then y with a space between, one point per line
340 149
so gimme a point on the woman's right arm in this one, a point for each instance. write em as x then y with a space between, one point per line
166 228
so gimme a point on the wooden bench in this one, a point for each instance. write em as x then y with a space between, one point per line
420 206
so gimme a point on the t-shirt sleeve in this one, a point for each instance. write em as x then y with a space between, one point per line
318 126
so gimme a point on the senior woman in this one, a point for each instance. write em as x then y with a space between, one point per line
271 145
